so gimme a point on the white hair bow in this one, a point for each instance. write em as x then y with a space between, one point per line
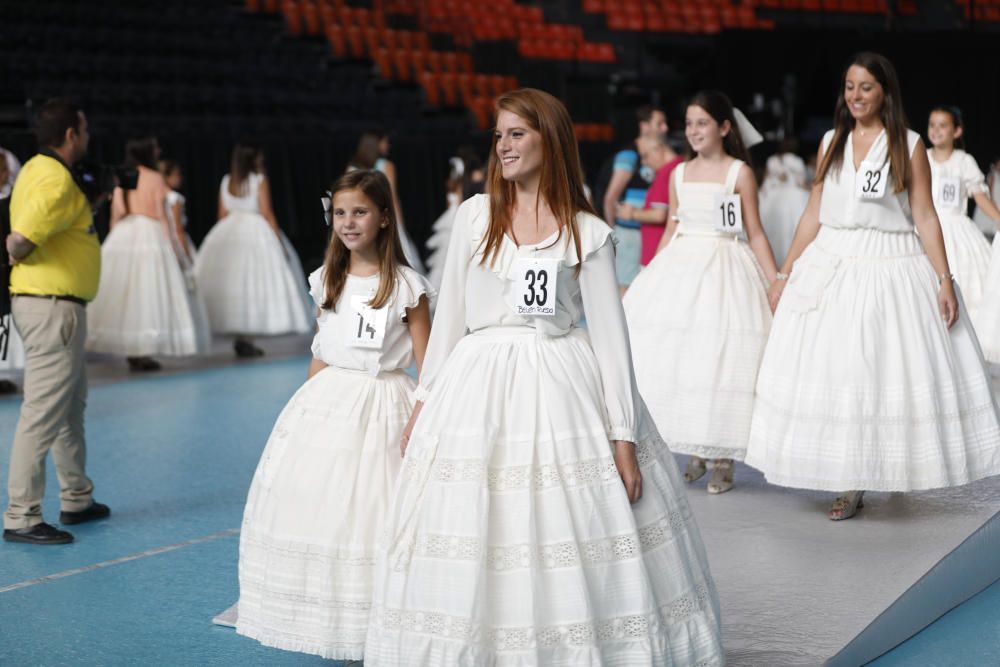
327 203
751 137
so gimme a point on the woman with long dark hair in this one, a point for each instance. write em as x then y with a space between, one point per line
144 307
872 378
248 271
538 517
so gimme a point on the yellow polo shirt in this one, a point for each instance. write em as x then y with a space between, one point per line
48 209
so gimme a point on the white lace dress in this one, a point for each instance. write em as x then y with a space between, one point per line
862 386
953 182
322 487
698 320
510 539
251 279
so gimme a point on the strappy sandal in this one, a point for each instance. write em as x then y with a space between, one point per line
143 364
846 506
695 470
722 476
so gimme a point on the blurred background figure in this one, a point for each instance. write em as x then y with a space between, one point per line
783 197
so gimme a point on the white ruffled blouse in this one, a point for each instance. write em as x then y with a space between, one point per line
334 327
476 296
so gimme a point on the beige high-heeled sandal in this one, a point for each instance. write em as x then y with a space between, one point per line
695 469
846 506
722 476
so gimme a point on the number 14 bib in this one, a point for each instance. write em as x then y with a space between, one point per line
535 287
367 328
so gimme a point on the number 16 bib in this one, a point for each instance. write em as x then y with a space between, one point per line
535 287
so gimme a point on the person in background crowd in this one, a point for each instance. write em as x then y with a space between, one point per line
655 152
57 265
629 181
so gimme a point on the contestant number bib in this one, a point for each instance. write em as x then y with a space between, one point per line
870 181
728 214
367 324
948 191
535 287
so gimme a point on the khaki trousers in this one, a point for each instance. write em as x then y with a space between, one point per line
55 396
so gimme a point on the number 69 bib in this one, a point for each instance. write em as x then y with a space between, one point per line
948 191
535 287
367 325
870 181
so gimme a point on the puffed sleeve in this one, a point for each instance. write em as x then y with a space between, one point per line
609 338
975 182
448 326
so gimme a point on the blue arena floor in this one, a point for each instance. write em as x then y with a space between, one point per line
173 457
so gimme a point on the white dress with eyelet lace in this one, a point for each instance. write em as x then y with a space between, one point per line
698 320
862 386
316 505
510 540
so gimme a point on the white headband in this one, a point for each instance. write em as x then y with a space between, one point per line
751 137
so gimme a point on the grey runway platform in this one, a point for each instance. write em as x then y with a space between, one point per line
799 589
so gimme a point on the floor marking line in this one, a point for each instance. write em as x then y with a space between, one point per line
123 559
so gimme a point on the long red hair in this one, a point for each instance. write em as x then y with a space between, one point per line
561 184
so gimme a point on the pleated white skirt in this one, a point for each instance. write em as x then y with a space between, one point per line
510 539
698 320
862 386
315 511
144 304
251 280
968 257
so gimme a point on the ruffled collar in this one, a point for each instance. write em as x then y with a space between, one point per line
594 233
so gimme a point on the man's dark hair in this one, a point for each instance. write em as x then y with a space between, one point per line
644 114
54 118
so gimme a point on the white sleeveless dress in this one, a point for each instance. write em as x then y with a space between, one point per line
698 320
510 539
323 485
862 386
145 306
251 279
953 182
783 199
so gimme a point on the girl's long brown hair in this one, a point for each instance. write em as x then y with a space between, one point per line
246 159
375 186
718 105
561 184
892 115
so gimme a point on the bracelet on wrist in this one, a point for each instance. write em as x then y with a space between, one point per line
943 276
780 276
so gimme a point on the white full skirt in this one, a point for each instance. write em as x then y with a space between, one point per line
968 257
862 386
510 538
987 318
315 511
437 245
698 321
251 280
144 305
781 207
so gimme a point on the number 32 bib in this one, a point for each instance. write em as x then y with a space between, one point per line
535 287
870 181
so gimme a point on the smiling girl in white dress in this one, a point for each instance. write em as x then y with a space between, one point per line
539 519
872 377
316 505
955 178
698 315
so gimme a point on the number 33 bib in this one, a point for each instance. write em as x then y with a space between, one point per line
535 287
